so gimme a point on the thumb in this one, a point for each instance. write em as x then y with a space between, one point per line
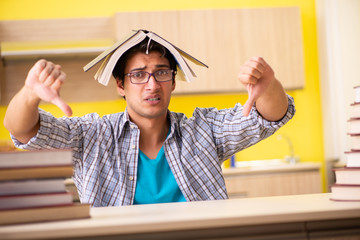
247 107
62 105
49 95
250 102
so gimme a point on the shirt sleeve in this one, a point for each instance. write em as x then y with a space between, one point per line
57 133
232 131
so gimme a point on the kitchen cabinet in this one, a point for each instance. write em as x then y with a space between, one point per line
222 38
284 179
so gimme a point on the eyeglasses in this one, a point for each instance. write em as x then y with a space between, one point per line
141 77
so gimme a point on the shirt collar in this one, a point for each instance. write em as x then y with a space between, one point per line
125 122
174 123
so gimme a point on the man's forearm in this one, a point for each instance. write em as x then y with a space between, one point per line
22 115
273 104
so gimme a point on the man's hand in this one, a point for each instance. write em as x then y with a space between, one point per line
45 80
256 75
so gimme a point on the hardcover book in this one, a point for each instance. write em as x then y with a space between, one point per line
342 192
347 175
16 159
355 110
357 94
32 186
44 214
353 158
7 174
34 200
354 125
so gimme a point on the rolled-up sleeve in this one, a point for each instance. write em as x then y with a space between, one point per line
59 133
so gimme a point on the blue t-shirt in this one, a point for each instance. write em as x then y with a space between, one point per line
155 181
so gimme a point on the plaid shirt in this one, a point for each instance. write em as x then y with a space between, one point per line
106 149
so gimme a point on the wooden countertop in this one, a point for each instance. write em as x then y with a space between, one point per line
190 216
277 168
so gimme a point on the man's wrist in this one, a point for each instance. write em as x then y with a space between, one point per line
29 96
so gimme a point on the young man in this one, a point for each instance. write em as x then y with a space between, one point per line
148 154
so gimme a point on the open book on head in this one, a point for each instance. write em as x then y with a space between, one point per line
113 54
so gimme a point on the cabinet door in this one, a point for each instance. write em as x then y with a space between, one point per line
224 39
273 184
337 238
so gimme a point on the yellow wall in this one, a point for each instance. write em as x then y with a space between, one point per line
305 130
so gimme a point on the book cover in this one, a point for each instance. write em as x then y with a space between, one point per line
44 214
15 159
110 50
7 174
32 186
34 200
347 175
111 56
343 192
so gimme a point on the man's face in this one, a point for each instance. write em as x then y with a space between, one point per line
151 99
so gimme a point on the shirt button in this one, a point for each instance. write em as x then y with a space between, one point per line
132 126
131 178
133 146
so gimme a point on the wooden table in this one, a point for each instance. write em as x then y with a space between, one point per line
311 216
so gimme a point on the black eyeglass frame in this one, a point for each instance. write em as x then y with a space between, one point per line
149 75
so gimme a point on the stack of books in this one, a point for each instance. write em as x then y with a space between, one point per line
347 186
32 187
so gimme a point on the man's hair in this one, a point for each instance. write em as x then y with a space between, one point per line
143 47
